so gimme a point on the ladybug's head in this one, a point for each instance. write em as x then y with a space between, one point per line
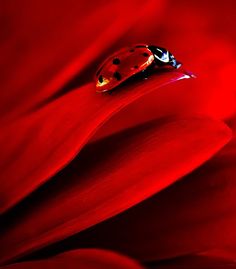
164 57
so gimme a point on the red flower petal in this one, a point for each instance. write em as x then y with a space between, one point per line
173 100
204 38
227 253
37 146
110 177
195 262
81 259
195 215
45 44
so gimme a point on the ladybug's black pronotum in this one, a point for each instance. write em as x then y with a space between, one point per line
129 61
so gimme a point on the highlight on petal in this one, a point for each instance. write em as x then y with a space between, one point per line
81 259
226 253
173 100
109 177
35 147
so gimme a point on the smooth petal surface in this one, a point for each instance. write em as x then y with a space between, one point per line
43 45
166 103
194 262
35 147
81 259
108 178
204 38
194 215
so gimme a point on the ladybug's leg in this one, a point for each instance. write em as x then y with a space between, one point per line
145 73
148 71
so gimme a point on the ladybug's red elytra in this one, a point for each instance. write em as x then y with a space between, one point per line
129 61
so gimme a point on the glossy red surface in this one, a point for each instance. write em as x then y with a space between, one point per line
121 66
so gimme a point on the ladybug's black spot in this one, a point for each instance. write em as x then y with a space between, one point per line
117 76
145 54
131 50
116 61
136 66
100 79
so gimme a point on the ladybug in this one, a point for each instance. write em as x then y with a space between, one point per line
130 61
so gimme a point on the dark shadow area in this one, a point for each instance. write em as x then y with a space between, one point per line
92 157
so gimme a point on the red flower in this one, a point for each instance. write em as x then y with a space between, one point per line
98 171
